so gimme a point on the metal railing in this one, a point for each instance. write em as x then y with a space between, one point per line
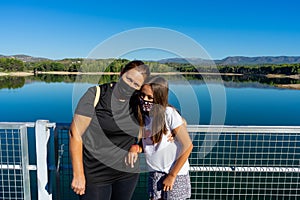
245 162
23 149
15 180
227 162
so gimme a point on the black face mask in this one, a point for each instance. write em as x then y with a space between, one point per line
123 90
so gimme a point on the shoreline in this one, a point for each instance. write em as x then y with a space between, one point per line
30 73
287 86
296 76
108 73
54 73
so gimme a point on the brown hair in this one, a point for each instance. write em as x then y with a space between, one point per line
139 66
160 89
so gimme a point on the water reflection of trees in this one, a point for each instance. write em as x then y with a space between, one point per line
260 79
11 82
235 81
48 78
96 78
242 79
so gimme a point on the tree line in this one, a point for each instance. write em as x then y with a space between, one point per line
261 69
287 69
115 65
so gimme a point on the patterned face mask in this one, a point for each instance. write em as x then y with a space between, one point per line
146 105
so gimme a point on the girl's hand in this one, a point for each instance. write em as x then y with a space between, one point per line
171 137
169 182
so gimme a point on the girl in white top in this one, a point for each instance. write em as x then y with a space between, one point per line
167 160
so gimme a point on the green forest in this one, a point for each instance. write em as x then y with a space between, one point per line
115 65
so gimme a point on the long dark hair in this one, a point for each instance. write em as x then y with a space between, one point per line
160 89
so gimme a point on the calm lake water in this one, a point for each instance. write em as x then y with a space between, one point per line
211 103
231 103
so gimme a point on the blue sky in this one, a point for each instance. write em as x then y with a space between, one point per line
59 29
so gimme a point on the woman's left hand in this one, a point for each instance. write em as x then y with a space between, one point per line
169 182
131 157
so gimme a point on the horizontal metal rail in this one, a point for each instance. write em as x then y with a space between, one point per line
15 125
242 129
245 169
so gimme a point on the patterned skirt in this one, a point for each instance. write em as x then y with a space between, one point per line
181 188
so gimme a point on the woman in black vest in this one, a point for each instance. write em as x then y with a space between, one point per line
102 134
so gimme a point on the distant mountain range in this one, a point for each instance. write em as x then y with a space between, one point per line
231 60
25 58
238 60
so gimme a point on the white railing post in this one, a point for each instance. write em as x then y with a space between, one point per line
25 163
42 134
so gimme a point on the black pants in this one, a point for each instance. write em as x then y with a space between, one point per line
119 190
